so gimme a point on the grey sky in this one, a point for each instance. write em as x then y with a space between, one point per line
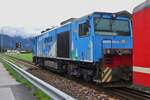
37 14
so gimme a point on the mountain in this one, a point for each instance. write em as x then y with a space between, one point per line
8 42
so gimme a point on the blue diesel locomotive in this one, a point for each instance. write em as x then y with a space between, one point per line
96 47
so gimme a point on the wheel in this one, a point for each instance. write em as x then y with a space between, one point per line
87 77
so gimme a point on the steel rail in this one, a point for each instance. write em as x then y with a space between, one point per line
129 93
51 91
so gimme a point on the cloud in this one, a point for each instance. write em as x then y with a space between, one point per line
23 32
26 17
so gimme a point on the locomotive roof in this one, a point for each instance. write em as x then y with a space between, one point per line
121 13
142 6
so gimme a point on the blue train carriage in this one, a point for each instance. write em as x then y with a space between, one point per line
96 47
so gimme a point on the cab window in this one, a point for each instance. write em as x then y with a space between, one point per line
105 26
83 29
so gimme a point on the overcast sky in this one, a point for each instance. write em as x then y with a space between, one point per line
33 15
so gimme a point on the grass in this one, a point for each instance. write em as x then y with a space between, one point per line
8 58
37 92
25 57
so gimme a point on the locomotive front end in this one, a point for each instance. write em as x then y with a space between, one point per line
113 48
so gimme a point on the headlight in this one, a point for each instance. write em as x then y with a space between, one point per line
108 51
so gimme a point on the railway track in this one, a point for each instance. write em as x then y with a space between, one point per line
137 94
121 93
73 87
125 93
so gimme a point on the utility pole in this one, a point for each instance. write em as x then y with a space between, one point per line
1 41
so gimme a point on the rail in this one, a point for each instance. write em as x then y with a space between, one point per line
45 87
125 93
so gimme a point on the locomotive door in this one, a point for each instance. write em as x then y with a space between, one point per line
63 44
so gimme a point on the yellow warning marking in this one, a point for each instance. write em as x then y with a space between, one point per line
106 69
106 76
109 79
104 73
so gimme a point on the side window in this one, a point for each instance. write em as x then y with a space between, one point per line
83 29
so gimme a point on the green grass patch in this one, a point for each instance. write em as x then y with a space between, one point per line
24 56
13 60
37 92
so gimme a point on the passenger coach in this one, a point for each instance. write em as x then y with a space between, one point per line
141 45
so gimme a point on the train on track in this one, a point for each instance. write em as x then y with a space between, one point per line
96 47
